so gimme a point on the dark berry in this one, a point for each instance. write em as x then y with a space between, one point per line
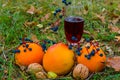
78 52
30 49
87 40
79 48
21 43
63 1
48 41
25 50
74 38
92 52
44 46
87 47
70 46
98 49
60 16
53 42
69 3
66 4
58 10
88 56
27 45
54 13
101 55
54 28
16 51
20 38
26 39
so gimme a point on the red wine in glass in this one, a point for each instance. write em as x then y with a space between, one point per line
73 27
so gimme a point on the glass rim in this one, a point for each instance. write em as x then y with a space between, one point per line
81 19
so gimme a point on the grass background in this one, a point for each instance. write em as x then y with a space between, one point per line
13 16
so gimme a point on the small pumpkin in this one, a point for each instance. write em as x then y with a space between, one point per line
28 53
93 57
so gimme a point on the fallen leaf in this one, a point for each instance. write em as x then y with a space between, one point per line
40 26
47 16
34 38
114 62
85 11
57 22
118 38
101 18
118 6
31 10
86 32
32 23
114 28
109 50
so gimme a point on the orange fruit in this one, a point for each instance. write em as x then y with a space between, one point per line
96 62
58 59
29 53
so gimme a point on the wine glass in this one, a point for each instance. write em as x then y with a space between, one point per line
73 25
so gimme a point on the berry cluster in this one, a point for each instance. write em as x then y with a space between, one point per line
89 54
57 11
45 42
66 3
74 38
93 52
24 44
54 28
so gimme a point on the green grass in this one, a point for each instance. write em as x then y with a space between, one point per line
13 16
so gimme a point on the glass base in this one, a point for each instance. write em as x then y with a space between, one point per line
74 44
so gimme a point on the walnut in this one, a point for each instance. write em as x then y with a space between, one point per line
34 68
40 75
80 72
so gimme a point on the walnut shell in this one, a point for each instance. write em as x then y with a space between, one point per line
34 68
40 75
80 72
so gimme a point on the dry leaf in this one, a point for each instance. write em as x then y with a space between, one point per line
86 32
57 22
101 18
110 51
34 38
85 12
40 26
47 16
32 10
26 24
114 62
118 38
114 28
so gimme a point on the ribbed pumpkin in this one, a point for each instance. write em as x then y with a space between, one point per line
93 57
28 53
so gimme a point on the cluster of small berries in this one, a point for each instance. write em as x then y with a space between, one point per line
23 42
45 42
92 53
66 3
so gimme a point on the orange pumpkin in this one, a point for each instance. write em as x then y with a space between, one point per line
28 53
93 57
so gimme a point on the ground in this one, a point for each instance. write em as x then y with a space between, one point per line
28 18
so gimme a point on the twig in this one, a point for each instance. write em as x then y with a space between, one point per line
4 53
90 76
